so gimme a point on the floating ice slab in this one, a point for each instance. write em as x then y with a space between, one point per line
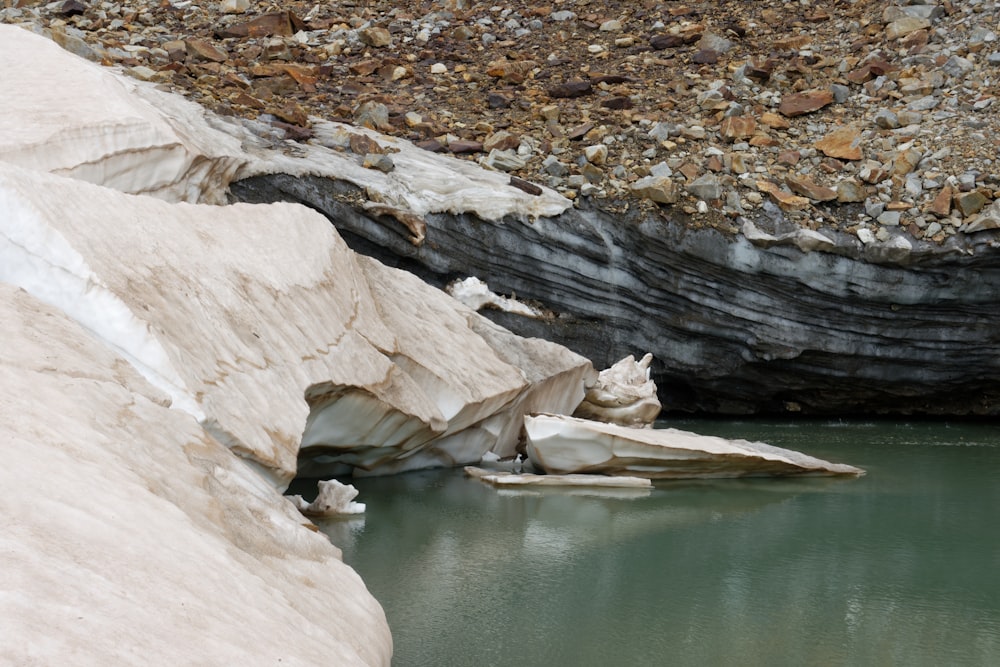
563 445
497 478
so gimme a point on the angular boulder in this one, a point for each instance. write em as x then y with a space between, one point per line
565 445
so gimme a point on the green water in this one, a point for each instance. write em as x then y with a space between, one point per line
900 567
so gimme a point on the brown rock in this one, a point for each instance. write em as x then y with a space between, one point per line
660 42
579 131
790 158
362 144
292 113
432 145
808 188
514 71
831 165
761 71
737 127
784 199
203 50
970 202
498 101
72 8
465 146
799 104
572 88
502 140
871 69
792 43
246 100
774 121
764 141
176 50
657 188
276 24
294 132
906 161
687 35
849 191
941 206
364 67
375 37
915 41
525 186
873 174
705 57
617 103
843 143
690 171
904 26
304 76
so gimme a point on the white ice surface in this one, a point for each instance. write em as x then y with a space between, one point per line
132 537
37 258
476 294
561 445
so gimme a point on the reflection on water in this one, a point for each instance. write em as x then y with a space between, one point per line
899 567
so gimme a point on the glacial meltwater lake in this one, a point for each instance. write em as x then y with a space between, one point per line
900 567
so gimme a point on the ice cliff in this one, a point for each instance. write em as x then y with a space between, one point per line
155 344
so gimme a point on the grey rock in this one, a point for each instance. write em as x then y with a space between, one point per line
378 161
967 180
886 119
919 11
981 34
504 160
988 219
661 169
874 208
890 218
374 115
896 250
958 66
706 188
562 15
663 131
840 93
849 191
656 188
714 42
925 103
551 165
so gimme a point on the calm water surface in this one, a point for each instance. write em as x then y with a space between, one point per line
900 567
